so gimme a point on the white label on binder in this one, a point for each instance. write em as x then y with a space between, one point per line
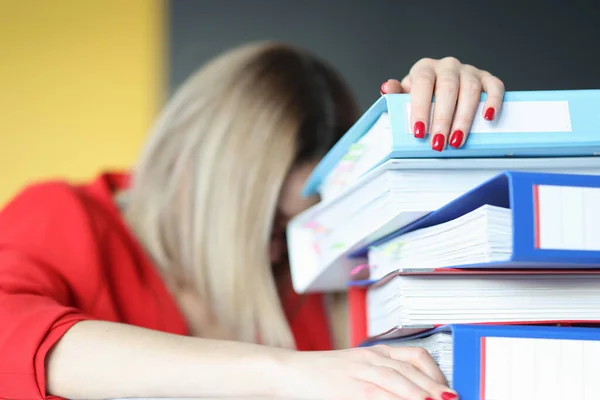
519 117
539 369
567 218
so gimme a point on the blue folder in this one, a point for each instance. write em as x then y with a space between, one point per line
469 348
518 191
569 125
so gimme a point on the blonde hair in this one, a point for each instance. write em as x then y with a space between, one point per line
205 190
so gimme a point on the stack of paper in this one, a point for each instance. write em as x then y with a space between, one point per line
387 199
408 303
440 174
440 347
493 255
502 232
481 236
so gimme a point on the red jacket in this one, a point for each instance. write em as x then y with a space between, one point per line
67 256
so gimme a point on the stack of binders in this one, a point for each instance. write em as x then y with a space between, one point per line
488 256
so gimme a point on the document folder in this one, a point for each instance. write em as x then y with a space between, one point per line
529 124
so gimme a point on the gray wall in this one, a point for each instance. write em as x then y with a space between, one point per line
530 45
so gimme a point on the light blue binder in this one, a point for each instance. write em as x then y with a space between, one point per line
530 124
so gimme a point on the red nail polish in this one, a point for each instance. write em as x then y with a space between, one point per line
429 398
419 130
438 143
381 89
449 396
457 138
489 114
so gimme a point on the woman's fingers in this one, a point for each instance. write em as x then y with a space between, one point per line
377 372
495 94
434 389
401 387
422 82
391 86
418 367
472 83
406 84
457 88
417 356
447 85
469 96
408 372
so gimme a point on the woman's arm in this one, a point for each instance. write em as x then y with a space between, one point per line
99 360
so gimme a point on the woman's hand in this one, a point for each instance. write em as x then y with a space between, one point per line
378 372
457 88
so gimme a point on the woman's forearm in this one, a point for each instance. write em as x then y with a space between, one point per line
99 360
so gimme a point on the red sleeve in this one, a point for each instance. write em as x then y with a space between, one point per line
357 311
44 233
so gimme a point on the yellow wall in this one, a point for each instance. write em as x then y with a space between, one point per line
80 82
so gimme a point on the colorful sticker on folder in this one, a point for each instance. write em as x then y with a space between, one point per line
345 165
392 248
360 272
351 157
338 182
315 226
354 152
356 270
357 147
316 248
311 224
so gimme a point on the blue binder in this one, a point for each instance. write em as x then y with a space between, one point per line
521 192
469 349
569 126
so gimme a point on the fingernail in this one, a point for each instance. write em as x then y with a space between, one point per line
382 88
438 142
419 130
457 138
489 114
449 396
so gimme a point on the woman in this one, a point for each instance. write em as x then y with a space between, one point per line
174 283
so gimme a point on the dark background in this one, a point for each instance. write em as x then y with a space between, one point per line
529 45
